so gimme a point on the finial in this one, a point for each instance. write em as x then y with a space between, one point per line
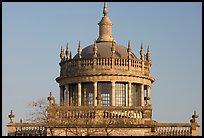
194 117
79 49
95 49
11 116
142 52
105 27
113 48
129 50
67 51
129 46
141 46
128 43
148 55
105 9
62 53
51 99
148 49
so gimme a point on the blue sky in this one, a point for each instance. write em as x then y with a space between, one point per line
33 33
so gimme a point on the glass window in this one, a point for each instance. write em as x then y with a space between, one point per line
121 94
104 91
135 94
73 89
87 94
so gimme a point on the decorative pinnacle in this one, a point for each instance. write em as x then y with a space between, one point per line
129 44
105 9
11 116
62 53
141 46
129 47
95 49
142 53
113 48
148 55
148 50
67 51
79 49
79 45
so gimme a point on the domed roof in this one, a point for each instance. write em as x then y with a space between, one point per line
104 51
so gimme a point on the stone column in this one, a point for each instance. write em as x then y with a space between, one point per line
95 93
142 95
79 94
113 93
129 94
67 94
142 66
61 95
148 95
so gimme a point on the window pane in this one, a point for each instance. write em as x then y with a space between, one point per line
104 90
121 92
87 94
73 89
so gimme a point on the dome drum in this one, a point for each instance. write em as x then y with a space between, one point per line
105 66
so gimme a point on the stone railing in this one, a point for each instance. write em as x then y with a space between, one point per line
108 65
173 129
28 129
99 114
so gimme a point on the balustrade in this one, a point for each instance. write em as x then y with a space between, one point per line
65 113
118 64
176 129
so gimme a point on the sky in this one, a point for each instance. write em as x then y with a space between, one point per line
33 33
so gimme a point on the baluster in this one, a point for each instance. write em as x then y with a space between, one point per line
182 132
175 131
178 134
185 132
188 132
169 132
162 132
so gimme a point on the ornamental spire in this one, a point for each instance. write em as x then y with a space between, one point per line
113 49
95 49
105 27
105 9
142 53
148 55
67 51
129 49
79 49
11 116
62 53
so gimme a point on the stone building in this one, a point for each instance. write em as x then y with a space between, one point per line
104 90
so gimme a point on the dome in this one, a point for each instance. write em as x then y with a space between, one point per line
104 51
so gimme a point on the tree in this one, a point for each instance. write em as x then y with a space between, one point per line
71 120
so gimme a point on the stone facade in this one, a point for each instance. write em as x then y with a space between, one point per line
104 90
